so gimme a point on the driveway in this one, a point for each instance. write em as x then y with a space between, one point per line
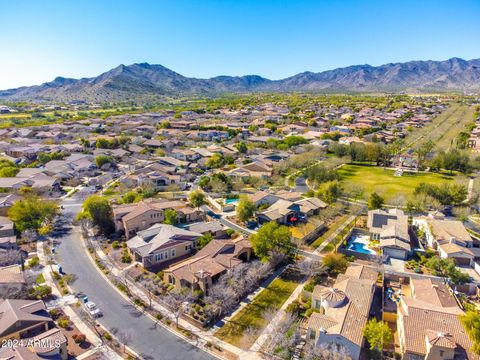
147 339
223 220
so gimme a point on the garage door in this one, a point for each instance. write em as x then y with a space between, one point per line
394 253
462 261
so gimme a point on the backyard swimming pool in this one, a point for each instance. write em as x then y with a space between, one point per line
231 201
359 242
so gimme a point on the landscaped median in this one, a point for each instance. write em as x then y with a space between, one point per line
248 323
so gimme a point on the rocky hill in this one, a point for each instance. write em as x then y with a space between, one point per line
145 80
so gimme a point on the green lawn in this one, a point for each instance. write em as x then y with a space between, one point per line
40 279
382 181
250 316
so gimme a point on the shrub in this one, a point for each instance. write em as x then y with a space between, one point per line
126 258
160 274
54 313
310 286
310 312
42 292
115 244
79 338
122 287
63 322
107 336
34 261
294 307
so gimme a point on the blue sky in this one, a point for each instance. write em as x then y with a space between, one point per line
44 39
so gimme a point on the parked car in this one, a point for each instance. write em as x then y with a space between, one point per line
92 310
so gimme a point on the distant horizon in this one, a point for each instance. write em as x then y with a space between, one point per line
75 39
253 74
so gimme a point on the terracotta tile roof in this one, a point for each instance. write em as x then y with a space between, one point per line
215 258
431 292
444 230
11 275
419 322
13 311
47 341
350 301
361 272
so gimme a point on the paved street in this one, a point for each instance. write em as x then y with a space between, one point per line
152 342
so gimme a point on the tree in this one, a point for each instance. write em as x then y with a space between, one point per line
331 192
375 201
326 351
271 237
311 268
447 269
215 161
101 160
176 300
171 217
99 211
241 147
422 151
471 322
245 208
8 168
378 334
129 197
196 198
204 240
32 213
335 263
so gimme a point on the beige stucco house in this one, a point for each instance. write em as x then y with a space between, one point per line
205 267
162 244
133 218
429 326
343 310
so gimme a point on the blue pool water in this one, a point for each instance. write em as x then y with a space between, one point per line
231 201
359 243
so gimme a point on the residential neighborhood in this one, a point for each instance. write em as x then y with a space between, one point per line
240 180
357 218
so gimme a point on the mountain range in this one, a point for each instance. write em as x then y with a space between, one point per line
145 80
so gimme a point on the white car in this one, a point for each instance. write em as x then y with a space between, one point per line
93 310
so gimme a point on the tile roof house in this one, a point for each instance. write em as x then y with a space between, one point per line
206 266
429 326
450 238
22 318
390 228
11 279
254 169
285 211
213 228
162 244
344 309
132 218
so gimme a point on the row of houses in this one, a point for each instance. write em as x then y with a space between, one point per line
448 237
426 316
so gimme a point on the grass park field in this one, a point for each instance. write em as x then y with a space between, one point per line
383 181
